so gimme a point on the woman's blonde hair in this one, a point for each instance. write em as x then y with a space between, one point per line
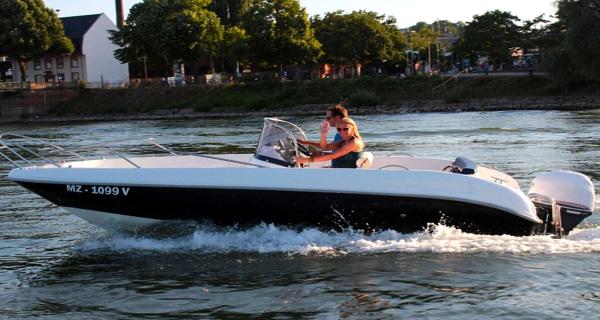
355 132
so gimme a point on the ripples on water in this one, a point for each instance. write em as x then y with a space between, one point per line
55 266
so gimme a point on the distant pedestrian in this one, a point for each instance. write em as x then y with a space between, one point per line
530 67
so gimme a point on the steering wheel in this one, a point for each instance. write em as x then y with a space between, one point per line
303 150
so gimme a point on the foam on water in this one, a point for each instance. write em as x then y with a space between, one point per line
269 239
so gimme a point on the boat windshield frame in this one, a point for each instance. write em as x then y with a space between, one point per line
278 142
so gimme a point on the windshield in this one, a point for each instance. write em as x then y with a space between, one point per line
277 142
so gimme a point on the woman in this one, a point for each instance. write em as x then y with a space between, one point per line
346 151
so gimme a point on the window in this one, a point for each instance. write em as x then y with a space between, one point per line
75 76
74 62
60 63
60 76
39 78
48 63
37 65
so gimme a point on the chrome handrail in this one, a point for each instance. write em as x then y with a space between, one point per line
20 155
19 150
23 154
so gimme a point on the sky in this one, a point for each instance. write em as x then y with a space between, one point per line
407 12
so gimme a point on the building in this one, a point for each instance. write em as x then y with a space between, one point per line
92 61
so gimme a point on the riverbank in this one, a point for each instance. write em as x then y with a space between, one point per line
367 95
569 103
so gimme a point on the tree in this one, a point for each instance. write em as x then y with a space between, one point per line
358 37
279 32
492 34
533 33
29 30
235 39
169 31
422 37
234 47
575 57
230 12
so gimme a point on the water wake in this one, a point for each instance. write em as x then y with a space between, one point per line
271 239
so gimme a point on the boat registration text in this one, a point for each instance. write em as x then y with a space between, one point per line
101 190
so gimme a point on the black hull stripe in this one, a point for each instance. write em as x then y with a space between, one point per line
325 210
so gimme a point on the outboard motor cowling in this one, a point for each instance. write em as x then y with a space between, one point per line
562 200
464 165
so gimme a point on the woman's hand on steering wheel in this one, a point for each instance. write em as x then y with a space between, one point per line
301 161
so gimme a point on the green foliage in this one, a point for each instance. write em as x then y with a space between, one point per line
280 33
230 12
362 92
575 57
234 47
423 35
534 33
363 98
488 87
491 34
358 37
169 31
29 30
453 98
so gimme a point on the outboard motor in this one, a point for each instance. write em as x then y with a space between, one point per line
464 166
562 200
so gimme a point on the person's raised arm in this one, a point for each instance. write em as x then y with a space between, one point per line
324 131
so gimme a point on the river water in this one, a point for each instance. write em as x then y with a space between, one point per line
55 266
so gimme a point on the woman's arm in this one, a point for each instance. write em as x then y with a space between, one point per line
348 147
310 143
345 149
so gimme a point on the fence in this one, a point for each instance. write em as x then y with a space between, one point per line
26 86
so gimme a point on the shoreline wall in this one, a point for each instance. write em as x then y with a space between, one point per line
21 105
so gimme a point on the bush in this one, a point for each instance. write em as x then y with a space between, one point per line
364 98
453 98
258 103
82 84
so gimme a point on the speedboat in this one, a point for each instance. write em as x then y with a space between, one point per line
397 192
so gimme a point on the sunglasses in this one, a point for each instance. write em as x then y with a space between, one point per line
343 129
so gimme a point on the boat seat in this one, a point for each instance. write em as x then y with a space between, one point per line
365 160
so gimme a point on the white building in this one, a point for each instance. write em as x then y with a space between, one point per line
93 59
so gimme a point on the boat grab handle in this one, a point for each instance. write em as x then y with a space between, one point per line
393 166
